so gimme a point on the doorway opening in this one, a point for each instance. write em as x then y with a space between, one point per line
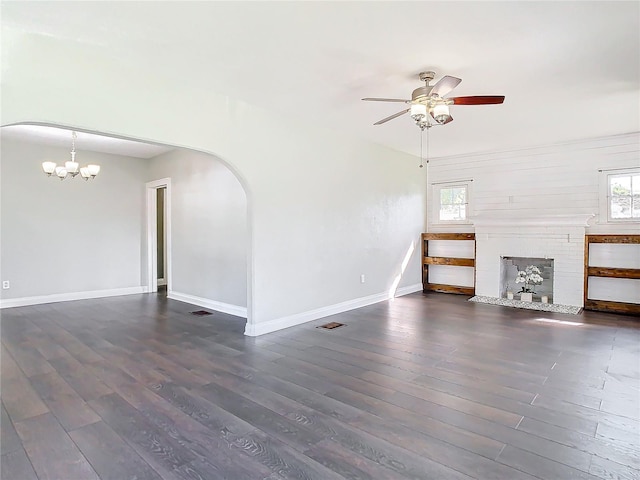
159 235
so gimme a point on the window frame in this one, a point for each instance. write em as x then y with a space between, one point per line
605 197
436 189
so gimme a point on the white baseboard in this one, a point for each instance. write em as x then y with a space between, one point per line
416 287
211 304
254 330
67 297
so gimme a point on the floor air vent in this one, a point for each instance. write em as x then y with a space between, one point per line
201 313
331 326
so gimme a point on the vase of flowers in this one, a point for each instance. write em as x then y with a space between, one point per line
531 277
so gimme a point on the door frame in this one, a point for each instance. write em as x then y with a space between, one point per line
152 233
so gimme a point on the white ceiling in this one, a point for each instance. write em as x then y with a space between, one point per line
569 70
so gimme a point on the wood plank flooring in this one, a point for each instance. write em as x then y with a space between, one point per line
422 387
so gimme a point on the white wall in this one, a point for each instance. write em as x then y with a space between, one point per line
326 210
66 239
323 208
209 241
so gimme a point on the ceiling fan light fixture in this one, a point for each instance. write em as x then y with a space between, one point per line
434 99
440 113
418 111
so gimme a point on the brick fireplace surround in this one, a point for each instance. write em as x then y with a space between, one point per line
560 237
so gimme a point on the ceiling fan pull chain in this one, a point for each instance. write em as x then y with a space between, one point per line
421 148
428 127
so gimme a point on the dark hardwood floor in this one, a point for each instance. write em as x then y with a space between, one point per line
423 387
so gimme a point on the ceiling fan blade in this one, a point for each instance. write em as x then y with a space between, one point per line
478 100
445 85
386 100
395 115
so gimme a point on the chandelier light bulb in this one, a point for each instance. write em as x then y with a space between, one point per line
61 172
49 167
71 167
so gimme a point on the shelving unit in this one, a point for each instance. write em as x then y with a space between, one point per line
630 273
448 261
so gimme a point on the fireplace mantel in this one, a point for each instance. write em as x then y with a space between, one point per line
574 220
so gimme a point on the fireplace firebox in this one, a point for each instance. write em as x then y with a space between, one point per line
509 267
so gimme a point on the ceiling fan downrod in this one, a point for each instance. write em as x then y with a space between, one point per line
422 93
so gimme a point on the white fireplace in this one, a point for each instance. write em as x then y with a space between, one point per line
557 237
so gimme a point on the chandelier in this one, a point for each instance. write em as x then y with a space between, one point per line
71 167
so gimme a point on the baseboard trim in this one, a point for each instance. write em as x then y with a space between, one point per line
211 304
416 287
254 330
68 297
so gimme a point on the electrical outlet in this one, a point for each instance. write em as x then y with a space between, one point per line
6 285
362 278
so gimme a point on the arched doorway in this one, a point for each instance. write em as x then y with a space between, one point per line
85 237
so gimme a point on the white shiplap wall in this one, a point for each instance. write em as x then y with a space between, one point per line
548 180
562 179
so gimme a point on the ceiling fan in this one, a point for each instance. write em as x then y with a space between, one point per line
429 100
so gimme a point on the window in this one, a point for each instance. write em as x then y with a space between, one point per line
624 196
620 197
451 202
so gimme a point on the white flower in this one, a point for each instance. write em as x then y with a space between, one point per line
530 276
